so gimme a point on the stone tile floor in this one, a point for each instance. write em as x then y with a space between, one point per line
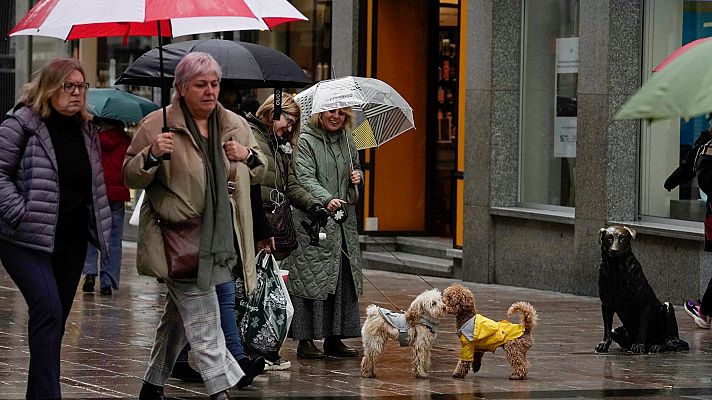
108 341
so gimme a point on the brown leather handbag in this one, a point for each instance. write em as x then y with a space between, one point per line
181 244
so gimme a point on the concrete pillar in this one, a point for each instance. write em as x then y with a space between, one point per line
23 50
344 37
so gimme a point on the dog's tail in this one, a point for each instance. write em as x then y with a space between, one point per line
529 317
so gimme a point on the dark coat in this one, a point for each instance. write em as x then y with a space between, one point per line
29 186
703 169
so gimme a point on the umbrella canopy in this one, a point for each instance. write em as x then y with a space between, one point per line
119 105
678 52
77 19
247 65
381 112
680 90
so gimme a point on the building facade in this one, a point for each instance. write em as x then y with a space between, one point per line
517 157
535 197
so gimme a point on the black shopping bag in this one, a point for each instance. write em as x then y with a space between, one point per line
265 316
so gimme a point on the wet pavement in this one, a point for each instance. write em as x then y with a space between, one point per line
109 338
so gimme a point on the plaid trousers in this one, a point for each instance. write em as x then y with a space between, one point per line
192 315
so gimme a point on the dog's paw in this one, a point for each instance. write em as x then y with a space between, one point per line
368 375
603 346
637 348
656 348
517 377
421 375
458 375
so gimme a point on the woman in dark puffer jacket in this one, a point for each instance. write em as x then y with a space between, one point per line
52 202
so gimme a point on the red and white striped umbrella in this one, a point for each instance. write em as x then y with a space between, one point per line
77 19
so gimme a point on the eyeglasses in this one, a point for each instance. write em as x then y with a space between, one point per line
290 119
69 87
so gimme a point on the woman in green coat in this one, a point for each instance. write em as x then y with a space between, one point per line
325 280
277 139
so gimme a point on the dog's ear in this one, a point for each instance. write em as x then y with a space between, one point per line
631 231
601 233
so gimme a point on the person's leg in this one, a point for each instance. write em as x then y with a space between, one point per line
111 275
228 321
170 340
33 274
706 304
182 369
67 265
200 313
90 268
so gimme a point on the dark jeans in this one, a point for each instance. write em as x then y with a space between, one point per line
228 322
110 274
48 283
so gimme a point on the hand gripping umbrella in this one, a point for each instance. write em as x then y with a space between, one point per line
77 19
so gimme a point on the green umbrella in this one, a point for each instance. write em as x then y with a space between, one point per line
683 89
119 105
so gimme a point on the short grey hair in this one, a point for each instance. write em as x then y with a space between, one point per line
192 65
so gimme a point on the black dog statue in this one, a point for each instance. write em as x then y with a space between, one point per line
648 324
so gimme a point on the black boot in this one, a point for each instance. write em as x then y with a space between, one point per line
183 371
88 285
251 368
307 349
336 348
151 392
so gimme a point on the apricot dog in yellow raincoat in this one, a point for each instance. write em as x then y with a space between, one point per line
479 334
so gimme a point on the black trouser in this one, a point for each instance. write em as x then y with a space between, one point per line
706 304
48 283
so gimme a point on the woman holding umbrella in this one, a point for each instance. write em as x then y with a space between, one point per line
325 280
202 141
50 176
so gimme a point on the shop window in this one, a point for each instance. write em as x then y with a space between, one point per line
668 25
548 119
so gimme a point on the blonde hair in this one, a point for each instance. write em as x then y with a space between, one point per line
37 94
266 113
315 120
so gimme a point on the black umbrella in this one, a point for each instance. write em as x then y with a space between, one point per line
247 65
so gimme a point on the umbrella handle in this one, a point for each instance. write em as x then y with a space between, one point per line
166 156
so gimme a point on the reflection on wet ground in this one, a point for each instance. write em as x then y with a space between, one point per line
108 341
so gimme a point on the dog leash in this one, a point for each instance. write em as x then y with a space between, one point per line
400 261
374 285
369 281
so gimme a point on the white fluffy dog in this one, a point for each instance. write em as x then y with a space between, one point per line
416 328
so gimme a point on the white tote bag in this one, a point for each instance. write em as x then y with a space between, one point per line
137 210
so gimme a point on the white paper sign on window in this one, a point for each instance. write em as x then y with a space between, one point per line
565 118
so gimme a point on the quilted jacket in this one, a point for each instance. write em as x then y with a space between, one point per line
322 167
29 186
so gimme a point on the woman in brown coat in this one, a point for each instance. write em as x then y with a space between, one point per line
203 138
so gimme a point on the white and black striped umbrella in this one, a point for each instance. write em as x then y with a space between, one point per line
381 112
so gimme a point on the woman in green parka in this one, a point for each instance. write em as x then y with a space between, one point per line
277 139
325 280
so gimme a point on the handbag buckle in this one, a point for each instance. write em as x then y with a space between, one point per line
231 187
